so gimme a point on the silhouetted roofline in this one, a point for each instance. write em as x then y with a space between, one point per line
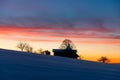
61 50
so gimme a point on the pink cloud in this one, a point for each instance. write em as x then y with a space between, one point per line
50 32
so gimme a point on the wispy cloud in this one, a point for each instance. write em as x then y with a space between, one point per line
47 33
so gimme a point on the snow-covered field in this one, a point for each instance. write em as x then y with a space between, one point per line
26 66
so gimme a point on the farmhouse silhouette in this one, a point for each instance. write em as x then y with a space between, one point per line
67 49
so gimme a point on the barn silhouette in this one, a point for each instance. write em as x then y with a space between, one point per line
67 49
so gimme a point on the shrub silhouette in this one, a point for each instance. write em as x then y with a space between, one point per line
43 52
47 52
104 59
40 51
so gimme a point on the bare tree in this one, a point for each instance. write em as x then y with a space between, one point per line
24 47
21 45
28 48
104 59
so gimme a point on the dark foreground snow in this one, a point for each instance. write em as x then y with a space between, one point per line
25 66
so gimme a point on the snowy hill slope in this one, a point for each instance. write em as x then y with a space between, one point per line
16 65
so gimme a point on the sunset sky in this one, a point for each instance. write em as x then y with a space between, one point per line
92 25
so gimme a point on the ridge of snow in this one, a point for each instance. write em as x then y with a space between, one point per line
16 65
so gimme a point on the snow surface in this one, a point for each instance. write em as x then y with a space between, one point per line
16 65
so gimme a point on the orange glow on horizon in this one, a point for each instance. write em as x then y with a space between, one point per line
91 47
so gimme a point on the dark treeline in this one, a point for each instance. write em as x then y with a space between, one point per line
28 48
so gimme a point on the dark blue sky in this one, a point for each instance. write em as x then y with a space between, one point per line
67 12
61 8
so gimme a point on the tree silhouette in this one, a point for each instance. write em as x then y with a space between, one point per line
67 43
104 59
28 48
21 45
24 47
